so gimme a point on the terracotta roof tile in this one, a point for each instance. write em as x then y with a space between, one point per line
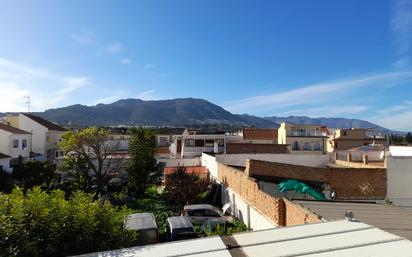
12 129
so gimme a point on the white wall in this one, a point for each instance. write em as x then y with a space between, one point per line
6 144
241 209
174 162
5 163
38 133
302 159
399 179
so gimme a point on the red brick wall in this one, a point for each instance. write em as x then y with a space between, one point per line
348 183
248 189
297 214
233 148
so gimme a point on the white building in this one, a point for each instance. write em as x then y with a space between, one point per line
399 175
195 142
15 142
5 163
45 134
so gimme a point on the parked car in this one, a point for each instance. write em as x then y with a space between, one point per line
199 213
179 228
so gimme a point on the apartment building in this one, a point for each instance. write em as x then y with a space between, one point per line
15 143
45 134
301 138
345 139
192 143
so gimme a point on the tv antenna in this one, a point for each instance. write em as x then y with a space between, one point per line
27 97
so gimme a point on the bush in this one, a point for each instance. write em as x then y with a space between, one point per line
47 224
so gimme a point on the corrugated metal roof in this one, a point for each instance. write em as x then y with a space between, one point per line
140 221
390 218
337 238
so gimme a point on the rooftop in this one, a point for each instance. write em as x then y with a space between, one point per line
2 156
169 131
390 218
12 129
338 238
49 125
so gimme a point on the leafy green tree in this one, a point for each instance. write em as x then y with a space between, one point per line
185 188
143 167
93 147
47 224
34 173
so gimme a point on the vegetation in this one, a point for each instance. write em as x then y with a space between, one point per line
185 188
34 173
401 140
47 224
224 229
94 147
143 167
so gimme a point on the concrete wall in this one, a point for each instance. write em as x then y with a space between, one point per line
174 162
210 163
307 159
400 180
5 164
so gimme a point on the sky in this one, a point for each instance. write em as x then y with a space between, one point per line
318 58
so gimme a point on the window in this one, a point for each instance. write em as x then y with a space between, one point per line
316 146
15 143
209 142
189 143
24 144
221 142
210 213
306 147
199 142
295 146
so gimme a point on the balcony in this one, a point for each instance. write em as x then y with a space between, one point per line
306 134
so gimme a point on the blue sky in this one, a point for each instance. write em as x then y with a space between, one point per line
317 58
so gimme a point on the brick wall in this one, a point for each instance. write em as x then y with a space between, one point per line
348 183
235 148
248 189
297 214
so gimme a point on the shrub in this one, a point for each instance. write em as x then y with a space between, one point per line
47 224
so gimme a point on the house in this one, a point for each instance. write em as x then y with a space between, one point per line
199 171
5 163
164 138
193 142
45 134
344 139
303 138
15 143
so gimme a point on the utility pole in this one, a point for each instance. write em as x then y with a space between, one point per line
27 97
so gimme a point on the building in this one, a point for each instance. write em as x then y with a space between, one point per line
5 163
45 134
344 139
260 135
307 139
164 138
337 238
15 143
192 143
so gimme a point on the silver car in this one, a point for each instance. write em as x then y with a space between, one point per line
200 213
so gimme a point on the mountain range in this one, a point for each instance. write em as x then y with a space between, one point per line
179 112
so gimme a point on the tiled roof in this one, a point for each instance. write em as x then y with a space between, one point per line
49 125
260 134
2 156
12 129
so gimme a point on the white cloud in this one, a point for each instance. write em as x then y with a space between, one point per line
113 48
46 88
317 93
85 37
401 25
147 95
125 61
149 66
396 117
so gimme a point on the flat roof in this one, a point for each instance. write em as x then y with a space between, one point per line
387 217
336 238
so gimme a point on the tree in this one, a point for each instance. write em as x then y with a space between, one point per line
95 147
39 223
34 173
185 188
143 167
